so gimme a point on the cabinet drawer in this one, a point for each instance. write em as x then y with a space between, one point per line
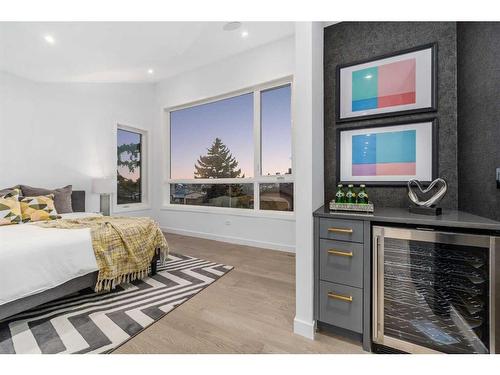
341 262
341 306
339 229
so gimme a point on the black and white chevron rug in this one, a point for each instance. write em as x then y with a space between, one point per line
90 322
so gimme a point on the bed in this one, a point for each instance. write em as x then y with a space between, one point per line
48 264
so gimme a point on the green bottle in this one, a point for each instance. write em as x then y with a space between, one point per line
351 195
340 194
362 195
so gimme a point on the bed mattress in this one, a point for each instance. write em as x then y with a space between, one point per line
34 259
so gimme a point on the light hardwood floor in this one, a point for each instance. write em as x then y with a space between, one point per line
249 310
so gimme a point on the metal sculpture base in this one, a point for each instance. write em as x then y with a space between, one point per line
421 210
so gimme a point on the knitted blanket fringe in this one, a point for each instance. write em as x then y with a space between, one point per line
108 284
124 246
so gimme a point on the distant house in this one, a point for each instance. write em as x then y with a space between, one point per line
183 195
195 198
281 199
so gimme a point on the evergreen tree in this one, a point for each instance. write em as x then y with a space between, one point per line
217 163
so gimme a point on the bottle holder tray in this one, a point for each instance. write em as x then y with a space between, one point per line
352 207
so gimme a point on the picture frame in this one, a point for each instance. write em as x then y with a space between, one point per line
406 150
398 83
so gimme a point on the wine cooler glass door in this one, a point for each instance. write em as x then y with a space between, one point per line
431 291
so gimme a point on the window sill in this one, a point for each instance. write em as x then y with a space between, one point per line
131 208
283 215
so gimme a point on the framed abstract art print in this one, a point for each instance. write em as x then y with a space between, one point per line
387 154
399 83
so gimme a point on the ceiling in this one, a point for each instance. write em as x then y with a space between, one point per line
124 51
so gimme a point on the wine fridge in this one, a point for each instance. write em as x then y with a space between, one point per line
435 291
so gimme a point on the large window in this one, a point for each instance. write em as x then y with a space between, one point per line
213 140
130 172
276 120
233 152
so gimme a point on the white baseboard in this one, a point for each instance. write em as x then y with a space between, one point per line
303 328
231 239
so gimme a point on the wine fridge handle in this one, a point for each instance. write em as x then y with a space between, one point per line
375 323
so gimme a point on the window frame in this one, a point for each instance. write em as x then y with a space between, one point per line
145 172
257 178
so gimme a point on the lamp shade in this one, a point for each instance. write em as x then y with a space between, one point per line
102 185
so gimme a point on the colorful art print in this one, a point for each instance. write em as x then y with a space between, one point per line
387 154
399 83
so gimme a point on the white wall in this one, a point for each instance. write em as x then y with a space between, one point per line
67 132
309 163
259 65
57 134
53 135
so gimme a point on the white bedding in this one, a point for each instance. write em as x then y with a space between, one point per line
34 259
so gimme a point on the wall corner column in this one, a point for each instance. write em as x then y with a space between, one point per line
308 142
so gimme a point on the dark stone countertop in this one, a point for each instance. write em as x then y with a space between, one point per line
449 218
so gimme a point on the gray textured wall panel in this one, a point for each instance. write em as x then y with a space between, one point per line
479 117
352 41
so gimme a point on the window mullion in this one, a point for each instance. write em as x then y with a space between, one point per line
257 147
166 165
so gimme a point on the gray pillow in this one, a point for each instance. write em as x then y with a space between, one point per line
7 190
62 196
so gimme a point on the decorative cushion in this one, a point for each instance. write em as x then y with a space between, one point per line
39 208
8 190
62 196
10 207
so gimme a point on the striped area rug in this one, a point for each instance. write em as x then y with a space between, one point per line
90 322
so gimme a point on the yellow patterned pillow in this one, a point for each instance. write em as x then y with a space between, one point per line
10 208
39 208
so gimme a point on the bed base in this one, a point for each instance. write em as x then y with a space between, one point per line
69 287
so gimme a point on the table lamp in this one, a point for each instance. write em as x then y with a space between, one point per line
104 187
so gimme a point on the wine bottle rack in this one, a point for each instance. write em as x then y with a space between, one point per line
436 295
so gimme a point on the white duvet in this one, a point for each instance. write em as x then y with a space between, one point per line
34 259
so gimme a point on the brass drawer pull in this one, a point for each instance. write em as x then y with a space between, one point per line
340 230
340 297
340 253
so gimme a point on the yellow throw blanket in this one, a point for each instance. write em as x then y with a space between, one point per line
124 246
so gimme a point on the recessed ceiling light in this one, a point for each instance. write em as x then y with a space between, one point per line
244 34
49 39
231 26
150 71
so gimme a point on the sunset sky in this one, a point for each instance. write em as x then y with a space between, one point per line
276 134
194 129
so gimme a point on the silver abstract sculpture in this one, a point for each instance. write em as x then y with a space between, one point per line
432 200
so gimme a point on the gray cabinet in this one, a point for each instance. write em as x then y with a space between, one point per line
342 272
343 261
343 230
341 306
